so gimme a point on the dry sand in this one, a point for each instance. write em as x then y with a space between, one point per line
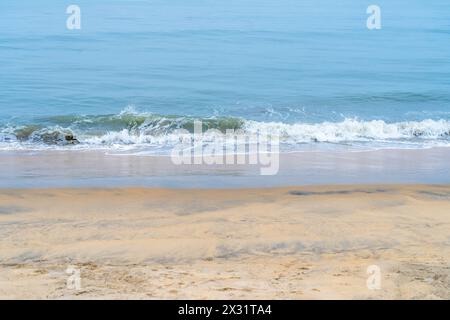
285 243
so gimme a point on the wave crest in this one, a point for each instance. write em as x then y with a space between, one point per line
130 128
354 130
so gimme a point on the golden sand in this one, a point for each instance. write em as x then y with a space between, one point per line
285 243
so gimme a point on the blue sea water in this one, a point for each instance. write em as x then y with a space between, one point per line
308 69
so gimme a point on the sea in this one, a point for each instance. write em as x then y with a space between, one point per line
309 71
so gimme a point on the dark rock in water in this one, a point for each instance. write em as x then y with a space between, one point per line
70 139
50 137
24 133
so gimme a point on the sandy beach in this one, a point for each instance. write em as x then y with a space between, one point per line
250 150
309 242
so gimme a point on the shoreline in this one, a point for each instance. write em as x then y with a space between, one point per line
63 169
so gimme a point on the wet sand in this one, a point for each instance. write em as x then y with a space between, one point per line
29 169
281 243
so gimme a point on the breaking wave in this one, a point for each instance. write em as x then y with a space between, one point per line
130 129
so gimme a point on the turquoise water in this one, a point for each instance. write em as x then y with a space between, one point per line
309 70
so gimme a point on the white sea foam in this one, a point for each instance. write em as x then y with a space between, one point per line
352 130
160 134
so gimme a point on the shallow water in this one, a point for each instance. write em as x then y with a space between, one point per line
28 169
